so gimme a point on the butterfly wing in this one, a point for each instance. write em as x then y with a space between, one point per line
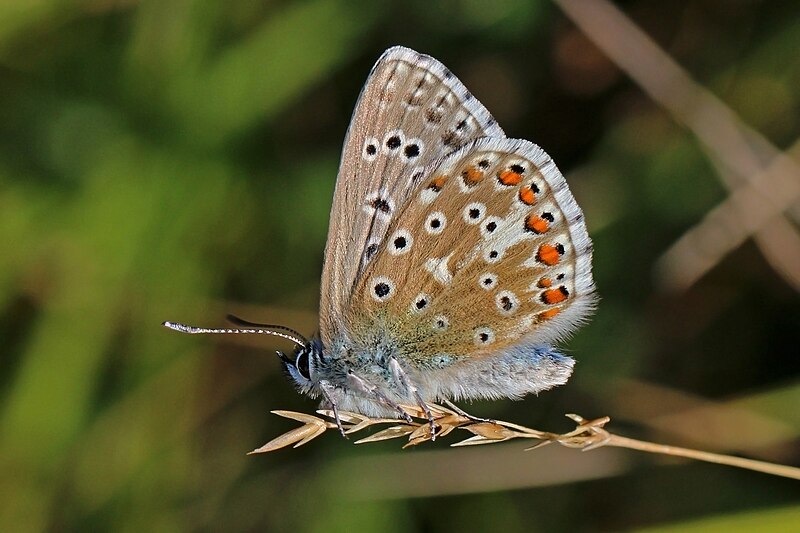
411 112
489 253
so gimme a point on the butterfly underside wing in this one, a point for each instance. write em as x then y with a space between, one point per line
411 112
452 250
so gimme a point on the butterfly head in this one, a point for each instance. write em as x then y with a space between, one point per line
303 365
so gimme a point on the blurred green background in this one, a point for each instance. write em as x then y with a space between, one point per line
175 159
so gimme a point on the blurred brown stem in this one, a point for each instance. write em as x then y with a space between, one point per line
588 435
739 462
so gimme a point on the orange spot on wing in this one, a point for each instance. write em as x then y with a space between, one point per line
545 282
437 183
550 313
548 254
527 196
536 224
509 177
472 176
555 296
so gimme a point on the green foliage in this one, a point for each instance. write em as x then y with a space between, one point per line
175 159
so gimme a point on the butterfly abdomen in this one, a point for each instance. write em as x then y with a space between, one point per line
520 370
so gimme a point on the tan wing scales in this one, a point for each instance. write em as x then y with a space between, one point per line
491 247
431 113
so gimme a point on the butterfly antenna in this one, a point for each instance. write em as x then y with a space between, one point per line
275 327
250 328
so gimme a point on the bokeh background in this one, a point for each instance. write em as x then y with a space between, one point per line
175 159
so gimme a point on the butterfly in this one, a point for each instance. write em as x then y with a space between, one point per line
456 257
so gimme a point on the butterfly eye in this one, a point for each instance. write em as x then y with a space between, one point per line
301 363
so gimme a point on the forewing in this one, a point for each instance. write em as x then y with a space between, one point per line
412 111
490 251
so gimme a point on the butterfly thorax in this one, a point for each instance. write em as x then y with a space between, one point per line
365 352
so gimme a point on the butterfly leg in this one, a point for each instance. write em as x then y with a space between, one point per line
327 392
402 378
463 413
371 390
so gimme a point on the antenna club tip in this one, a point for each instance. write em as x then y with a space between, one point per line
176 326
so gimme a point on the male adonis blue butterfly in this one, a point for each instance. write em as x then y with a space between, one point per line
455 255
